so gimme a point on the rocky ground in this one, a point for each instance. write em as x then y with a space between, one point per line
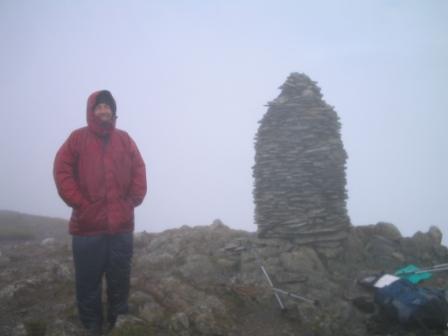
207 280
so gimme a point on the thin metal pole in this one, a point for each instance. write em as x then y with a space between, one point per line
257 257
295 296
435 268
430 270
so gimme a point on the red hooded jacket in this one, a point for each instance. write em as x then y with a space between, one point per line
100 173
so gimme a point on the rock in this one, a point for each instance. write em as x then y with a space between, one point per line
302 260
380 250
127 319
142 239
409 248
231 246
422 240
379 245
398 256
151 312
19 330
329 251
217 223
387 230
284 277
364 304
48 241
206 324
435 234
160 261
62 272
62 327
354 243
197 281
198 267
8 292
4 261
165 242
226 264
179 324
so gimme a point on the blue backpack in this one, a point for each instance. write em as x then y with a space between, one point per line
410 304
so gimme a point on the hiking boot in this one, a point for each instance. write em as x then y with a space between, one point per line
118 320
111 322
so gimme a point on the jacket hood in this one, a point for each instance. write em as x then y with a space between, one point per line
95 125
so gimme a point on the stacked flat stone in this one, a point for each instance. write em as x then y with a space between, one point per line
300 183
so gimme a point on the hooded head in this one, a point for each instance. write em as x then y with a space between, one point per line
97 126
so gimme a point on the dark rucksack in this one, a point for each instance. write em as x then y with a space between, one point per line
413 305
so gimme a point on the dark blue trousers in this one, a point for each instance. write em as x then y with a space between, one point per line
95 256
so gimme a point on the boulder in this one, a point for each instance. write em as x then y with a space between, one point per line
387 230
301 260
435 234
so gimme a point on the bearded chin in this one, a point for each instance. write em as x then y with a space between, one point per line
106 123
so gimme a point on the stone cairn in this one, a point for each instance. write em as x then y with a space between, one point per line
299 168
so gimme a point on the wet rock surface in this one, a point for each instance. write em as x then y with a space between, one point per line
207 280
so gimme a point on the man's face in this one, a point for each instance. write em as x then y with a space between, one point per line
103 112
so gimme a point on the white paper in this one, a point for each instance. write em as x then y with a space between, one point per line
385 280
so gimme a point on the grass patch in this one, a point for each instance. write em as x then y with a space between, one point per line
35 328
13 233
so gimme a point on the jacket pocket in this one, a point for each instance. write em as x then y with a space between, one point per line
127 210
90 216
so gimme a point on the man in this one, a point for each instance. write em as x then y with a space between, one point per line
100 173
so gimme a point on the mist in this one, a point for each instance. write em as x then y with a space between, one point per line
191 80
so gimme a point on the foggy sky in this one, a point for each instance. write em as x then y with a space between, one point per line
191 79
